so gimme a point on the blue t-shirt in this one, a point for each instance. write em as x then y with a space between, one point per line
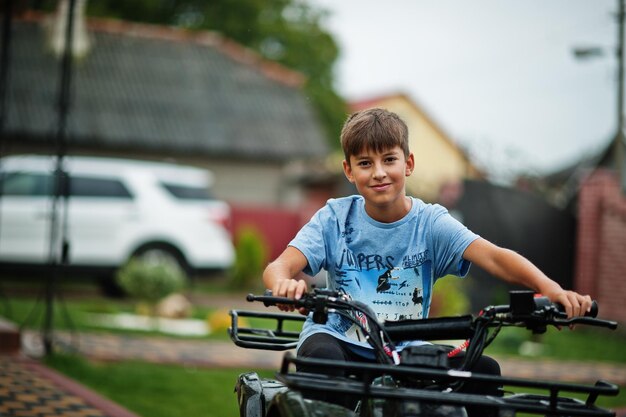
391 267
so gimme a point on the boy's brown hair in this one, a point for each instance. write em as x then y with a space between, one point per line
373 129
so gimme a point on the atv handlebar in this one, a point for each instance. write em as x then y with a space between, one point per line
535 312
526 309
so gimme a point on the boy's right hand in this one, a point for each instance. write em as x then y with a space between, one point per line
285 278
290 288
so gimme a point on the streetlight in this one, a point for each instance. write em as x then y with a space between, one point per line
618 147
620 152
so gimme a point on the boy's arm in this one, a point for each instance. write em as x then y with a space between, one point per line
515 269
284 276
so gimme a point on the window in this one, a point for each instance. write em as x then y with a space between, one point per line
41 185
26 184
98 188
186 192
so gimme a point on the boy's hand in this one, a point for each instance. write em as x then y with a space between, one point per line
290 288
575 304
285 278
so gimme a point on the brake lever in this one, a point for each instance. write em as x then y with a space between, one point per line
560 318
585 320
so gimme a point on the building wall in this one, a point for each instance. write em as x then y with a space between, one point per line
248 182
601 244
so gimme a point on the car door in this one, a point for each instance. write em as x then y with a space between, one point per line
101 208
25 217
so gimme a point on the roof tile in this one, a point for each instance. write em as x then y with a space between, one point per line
163 89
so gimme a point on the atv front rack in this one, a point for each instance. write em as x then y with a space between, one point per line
549 403
273 336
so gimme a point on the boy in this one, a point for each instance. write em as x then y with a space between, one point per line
387 249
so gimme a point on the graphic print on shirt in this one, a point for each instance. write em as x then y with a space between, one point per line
348 230
394 289
417 298
383 280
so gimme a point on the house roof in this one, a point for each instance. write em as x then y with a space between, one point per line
161 89
374 101
369 102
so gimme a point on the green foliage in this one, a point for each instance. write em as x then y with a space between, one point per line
331 110
148 281
449 298
250 258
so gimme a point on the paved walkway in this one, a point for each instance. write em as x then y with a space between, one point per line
200 353
224 354
30 389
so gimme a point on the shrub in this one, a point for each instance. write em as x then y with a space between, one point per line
250 258
449 299
149 281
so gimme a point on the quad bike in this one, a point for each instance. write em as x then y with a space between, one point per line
417 382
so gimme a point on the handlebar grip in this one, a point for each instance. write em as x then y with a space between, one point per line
543 302
593 313
268 300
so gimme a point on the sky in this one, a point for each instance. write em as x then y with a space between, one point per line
498 76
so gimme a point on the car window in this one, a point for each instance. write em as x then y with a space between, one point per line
26 184
185 192
98 187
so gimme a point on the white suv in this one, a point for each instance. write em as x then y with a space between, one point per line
117 209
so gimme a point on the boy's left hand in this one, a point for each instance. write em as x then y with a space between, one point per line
575 304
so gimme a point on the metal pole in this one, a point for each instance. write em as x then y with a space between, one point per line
4 63
58 244
620 140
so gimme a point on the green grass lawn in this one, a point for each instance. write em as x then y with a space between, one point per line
163 391
157 390
74 314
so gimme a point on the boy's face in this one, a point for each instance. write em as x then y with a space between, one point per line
380 178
